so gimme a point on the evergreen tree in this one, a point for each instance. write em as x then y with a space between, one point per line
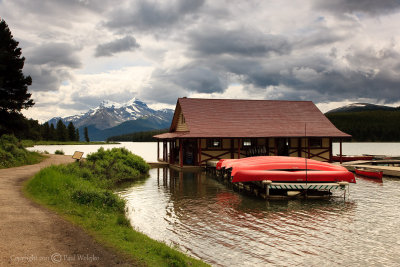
86 133
61 131
46 131
77 137
13 83
52 133
71 131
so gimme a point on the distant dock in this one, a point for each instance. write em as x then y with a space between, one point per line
388 167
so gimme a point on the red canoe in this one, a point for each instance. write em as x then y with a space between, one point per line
294 176
369 173
285 169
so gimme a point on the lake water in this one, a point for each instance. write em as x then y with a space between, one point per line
208 220
148 150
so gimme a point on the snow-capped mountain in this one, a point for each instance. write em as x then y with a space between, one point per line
110 114
354 107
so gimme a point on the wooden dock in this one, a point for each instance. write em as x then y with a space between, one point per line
388 167
158 164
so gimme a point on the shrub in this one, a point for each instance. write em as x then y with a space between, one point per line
116 164
59 152
12 153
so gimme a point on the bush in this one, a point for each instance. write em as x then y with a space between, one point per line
13 154
59 152
116 164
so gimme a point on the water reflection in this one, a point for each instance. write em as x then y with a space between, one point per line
211 221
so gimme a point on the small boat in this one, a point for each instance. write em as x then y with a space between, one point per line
369 173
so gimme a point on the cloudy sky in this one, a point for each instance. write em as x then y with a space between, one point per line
80 52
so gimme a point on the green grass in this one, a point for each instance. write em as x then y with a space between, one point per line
13 154
31 143
81 192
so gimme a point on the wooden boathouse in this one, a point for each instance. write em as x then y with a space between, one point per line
213 129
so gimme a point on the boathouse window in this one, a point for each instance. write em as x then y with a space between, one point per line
315 142
214 143
247 142
183 119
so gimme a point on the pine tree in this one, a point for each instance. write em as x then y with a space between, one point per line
71 131
52 134
61 131
13 83
46 131
86 133
77 137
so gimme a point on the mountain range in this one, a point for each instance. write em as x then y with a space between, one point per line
356 107
110 118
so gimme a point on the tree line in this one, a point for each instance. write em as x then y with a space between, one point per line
48 132
369 126
146 136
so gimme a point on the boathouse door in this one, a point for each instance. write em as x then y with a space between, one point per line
190 152
282 146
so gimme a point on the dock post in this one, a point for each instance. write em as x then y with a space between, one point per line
180 153
158 149
341 160
267 184
239 143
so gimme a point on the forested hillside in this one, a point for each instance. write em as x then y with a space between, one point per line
146 136
375 126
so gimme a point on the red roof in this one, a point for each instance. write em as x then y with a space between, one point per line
252 118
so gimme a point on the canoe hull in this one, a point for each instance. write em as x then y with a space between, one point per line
294 176
369 173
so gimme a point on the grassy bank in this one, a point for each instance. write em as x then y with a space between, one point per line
82 192
31 143
13 154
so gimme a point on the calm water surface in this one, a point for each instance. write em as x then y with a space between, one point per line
148 150
208 220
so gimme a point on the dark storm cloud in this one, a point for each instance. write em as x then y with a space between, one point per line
45 78
148 15
127 43
49 65
370 7
198 79
167 85
318 77
242 42
54 55
161 89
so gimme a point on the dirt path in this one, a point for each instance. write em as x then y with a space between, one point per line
32 235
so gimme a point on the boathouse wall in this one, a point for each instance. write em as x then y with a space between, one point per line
297 147
181 125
